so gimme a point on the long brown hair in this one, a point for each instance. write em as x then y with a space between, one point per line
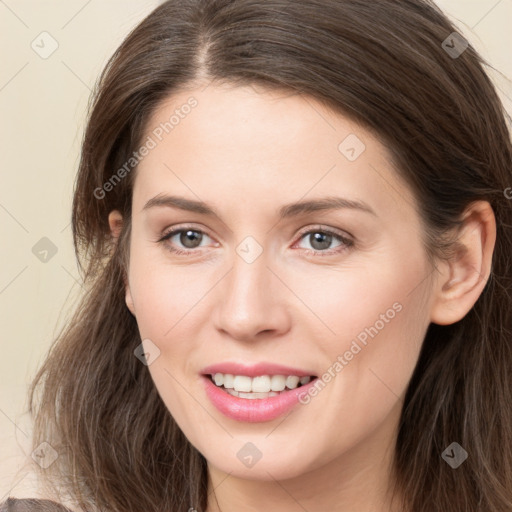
385 64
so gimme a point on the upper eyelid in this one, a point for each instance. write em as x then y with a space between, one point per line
178 229
319 227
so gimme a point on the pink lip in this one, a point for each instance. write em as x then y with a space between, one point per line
254 370
256 410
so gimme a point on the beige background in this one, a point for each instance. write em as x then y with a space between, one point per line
42 108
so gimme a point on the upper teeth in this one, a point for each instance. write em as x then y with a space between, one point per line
260 384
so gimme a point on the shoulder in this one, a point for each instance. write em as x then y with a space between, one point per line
31 505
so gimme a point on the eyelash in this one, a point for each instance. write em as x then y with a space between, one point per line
346 242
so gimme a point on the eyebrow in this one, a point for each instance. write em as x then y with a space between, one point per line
286 211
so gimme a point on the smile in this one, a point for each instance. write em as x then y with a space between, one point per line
262 386
241 403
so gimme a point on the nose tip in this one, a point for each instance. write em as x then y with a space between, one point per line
249 304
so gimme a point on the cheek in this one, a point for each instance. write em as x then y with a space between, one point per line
352 302
375 323
379 327
164 294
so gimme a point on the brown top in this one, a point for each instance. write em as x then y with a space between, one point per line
31 505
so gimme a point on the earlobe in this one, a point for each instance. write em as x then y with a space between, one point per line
115 221
128 295
460 286
129 300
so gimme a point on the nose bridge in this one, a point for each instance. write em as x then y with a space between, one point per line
249 301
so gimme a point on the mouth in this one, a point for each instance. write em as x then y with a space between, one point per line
257 398
258 387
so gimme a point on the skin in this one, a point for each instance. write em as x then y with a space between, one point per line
247 152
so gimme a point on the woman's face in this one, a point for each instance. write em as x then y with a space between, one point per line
341 293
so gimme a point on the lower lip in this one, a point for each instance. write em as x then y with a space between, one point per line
253 410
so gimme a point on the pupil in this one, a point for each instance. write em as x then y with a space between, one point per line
317 237
188 236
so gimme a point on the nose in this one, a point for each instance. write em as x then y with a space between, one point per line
251 301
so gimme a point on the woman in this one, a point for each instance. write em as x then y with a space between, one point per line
366 370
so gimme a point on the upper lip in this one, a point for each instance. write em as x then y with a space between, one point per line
254 370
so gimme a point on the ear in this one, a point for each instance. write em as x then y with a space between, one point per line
115 221
462 279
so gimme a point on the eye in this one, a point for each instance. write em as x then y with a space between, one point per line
321 238
188 236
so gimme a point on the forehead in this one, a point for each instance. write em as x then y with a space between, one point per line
251 144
